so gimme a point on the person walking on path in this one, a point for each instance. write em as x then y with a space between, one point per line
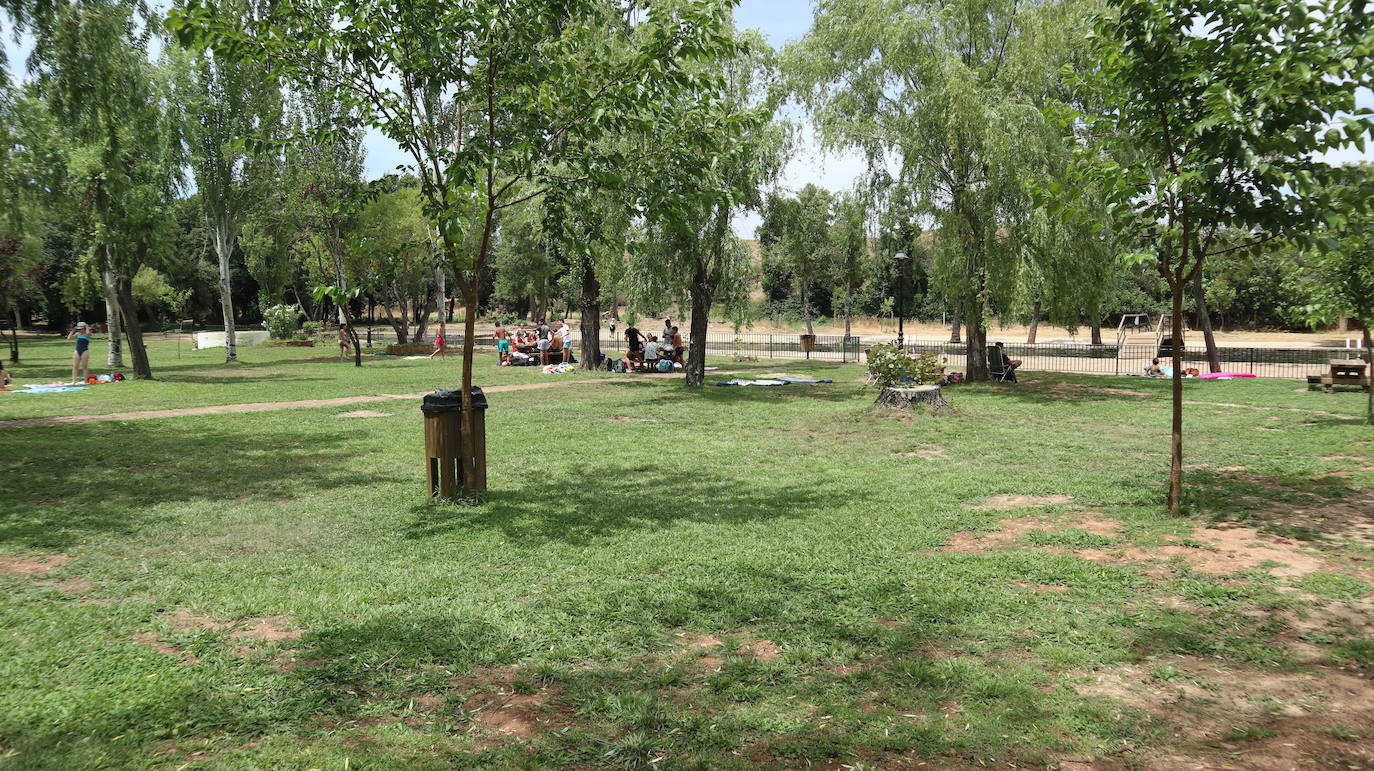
81 357
440 348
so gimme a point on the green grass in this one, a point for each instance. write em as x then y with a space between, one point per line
626 521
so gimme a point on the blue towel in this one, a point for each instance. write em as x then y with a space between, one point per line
50 390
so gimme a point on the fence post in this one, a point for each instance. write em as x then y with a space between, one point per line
770 346
1252 361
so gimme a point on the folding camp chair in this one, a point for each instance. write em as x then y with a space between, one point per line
997 366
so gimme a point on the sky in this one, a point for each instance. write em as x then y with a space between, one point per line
781 22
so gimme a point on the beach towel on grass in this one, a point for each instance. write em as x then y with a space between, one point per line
751 383
803 380
49 389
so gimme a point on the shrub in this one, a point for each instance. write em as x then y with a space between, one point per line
281 321
889 366
312 329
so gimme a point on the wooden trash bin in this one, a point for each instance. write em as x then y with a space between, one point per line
445 471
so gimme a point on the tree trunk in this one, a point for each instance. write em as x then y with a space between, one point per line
115 355
1096 333
440 289
696 345
402 325
1342 324
1204 320
954 328
14 338
128 309
1175 501
976 349
590 325
224 244
420 314
1034 324
1369 371
467 446
806 308
847 315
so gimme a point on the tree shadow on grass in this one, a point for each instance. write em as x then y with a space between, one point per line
623 498
66 483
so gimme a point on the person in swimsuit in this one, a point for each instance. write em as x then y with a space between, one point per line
81 357
502 339
344 342
439 349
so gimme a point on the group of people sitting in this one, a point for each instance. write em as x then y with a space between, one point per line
647 350
541 345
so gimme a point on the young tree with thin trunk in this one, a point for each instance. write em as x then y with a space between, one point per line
1223 110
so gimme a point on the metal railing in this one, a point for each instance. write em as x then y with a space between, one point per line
1078 358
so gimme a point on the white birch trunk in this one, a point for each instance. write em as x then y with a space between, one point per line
224 244
115 353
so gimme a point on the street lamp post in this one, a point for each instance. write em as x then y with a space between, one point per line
900 258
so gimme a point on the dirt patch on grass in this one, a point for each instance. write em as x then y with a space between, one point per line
1009 502
1066 390
1349 517
502 704
74 586
761 650
150 640
31 566
1215 551
1011 531
1225 716
260 629
696 642
928 453
363 414
1221 551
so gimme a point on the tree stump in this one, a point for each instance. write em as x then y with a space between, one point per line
903 398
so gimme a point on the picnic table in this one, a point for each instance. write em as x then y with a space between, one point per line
1349 372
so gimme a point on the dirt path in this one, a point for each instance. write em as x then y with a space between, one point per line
342 401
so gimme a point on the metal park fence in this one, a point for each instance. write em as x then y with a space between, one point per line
1079 358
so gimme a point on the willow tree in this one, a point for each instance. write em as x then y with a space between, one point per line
121 128
1224 110
950 92
232 103
725 150
487 98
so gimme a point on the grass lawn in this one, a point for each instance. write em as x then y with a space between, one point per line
729 578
